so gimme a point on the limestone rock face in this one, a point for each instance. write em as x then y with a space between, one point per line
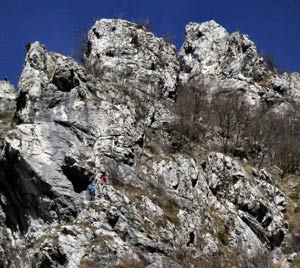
209 49
228 181
162 207
7 106
231 61
125 53
66 129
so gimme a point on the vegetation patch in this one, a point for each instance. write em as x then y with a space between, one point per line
129 262
227 122
170 209
266 80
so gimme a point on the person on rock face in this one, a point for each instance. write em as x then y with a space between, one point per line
92 191
103 182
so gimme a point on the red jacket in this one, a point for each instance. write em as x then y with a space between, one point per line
103 180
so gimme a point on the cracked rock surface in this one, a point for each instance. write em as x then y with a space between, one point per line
162 207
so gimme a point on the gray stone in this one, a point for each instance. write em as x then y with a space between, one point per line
67 123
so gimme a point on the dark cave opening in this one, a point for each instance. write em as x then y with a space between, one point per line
112 220
21 101
78 176
194 182
191 239
175 187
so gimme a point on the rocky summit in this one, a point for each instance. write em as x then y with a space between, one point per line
171 199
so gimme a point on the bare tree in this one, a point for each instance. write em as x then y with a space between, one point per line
276 136
267 136
192 110
81 39
232 116
145 24
287 141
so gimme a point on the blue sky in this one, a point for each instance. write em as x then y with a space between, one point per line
274 25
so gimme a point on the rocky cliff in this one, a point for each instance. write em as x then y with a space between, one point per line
163 207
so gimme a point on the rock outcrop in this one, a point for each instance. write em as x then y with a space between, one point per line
232 61
123 52
162 207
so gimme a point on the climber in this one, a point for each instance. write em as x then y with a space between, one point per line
92 190
103 182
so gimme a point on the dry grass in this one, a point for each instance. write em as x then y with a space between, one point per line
221 259
167 204
87 264
266 81
131 263
101 240
170 209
